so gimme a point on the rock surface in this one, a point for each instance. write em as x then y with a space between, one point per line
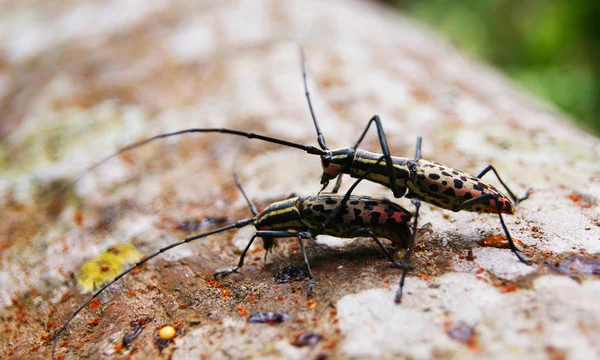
81 80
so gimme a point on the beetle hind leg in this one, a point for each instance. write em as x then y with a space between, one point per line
484 199
512 195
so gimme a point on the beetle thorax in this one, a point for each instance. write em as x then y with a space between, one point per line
282 215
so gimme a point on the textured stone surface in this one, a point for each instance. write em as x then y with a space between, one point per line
80 80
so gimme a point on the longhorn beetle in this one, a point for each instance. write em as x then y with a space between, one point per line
418 179
304 216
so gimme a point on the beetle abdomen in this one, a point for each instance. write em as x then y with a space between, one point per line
448 188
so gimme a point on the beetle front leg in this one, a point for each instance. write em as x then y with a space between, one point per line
260 234
240 262
398 193
311 284
336 187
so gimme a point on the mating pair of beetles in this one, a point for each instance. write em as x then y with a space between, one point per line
350 215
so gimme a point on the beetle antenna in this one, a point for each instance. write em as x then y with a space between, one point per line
239 185
320 137
308 148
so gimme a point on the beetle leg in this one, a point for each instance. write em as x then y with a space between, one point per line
406 264
306 235
514 198
387 253
486 198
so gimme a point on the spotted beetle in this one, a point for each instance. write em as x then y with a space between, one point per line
416 178
302 218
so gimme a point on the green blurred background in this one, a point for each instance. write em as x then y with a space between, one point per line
552 48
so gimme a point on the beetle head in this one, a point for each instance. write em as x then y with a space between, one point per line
335 163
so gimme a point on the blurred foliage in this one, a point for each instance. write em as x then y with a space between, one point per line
551 47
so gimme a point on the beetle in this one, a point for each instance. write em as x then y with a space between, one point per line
416 178
301 218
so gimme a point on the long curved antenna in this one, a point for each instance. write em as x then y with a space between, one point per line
320 137
235 225
239 185
308 148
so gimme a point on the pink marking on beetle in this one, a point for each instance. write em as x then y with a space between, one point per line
475 193
366 216
462 192
397 217
506 206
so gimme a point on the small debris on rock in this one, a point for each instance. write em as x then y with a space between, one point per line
463 333
164 337
268 317
470 255
307 339
167 333
499 242
583 200
290 273
132 334
574 265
